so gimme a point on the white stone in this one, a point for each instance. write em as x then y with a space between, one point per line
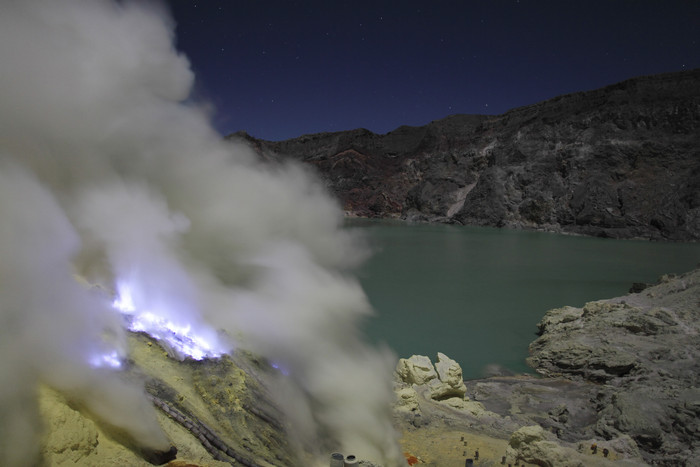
416 370
407 400
450 373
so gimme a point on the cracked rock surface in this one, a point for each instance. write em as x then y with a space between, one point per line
643 351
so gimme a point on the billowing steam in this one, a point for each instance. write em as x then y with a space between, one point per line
107 175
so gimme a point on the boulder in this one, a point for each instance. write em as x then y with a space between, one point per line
476 409
445 382
450 373
417 369
534 445
407 400
450 377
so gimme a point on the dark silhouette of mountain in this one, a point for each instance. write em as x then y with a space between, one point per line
622 161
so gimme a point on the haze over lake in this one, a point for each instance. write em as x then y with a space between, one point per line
477 294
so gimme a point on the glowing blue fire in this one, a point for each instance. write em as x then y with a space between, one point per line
182 341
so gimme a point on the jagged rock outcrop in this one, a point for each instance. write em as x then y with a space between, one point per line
444 379
643 353
622 161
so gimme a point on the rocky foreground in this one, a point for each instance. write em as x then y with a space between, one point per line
216 413
622 161
618 386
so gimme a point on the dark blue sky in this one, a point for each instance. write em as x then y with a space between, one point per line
280 69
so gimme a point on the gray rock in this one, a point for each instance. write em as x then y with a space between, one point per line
643 351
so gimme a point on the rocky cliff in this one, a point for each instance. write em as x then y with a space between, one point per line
621 161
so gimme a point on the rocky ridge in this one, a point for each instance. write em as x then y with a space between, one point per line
622 161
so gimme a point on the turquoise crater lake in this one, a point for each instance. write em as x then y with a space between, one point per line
477 294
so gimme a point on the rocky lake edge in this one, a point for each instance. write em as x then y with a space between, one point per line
617 384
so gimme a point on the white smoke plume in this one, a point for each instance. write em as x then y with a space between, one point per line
106 173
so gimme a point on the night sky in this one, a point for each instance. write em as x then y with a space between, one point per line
279 69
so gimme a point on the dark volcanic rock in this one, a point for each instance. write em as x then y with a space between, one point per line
621 161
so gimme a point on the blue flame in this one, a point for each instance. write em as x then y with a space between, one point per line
180 340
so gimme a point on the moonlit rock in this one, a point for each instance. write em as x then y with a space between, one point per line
536 446
407 400
444 383
450 373
416 370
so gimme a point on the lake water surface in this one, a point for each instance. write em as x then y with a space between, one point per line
477 294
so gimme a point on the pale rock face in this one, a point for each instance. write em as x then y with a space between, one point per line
532 444
475 408
535 445
527 435
416 370
450 374
407 400
444 380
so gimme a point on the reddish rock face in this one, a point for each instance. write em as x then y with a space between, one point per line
621 161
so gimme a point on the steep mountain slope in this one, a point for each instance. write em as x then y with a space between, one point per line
622 161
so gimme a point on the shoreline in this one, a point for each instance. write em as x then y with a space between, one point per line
605 385
349 215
